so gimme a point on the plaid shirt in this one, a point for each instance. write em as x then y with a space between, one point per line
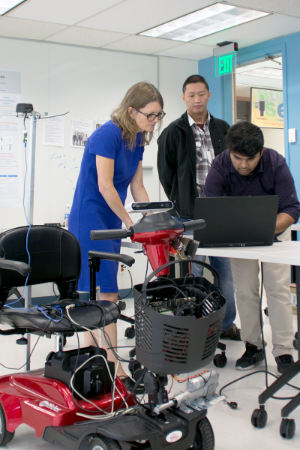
204 152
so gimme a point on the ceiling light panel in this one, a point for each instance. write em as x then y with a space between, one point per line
7 5
206 21
267 72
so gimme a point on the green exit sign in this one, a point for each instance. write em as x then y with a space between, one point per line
225 64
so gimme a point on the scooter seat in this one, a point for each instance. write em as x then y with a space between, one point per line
54 318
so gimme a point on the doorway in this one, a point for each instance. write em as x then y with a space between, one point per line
259 98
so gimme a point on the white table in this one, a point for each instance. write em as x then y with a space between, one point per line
287 252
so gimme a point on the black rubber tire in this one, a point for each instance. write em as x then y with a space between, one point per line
204 439
103 443
287 428
220 360
259 418
5 436
130 332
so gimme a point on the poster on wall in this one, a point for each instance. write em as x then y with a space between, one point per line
54 131
267 108
10 140
80 132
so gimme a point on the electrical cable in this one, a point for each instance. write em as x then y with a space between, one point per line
131 287
266 372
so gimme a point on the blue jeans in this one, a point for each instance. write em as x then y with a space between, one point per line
222 266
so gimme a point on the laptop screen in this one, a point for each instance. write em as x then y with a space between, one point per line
236 221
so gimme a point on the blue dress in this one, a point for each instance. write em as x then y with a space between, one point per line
90 211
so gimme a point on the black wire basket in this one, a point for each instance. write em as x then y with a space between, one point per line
178 321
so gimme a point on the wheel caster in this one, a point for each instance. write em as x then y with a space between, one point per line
220 360
5 435
266 311
296 342
259 418
287 428
130 332
122 305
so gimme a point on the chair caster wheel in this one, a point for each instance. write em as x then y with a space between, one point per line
220 360
287 428
296 342
266 311
130 332
122 305
259 418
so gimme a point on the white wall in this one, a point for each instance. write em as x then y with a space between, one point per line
274 138
89 83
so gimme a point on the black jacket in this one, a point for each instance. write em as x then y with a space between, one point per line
176 161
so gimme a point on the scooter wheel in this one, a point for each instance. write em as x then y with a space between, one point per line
204 438
287 428
103 443
5 435
220 360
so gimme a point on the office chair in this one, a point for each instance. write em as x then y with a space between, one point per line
55 256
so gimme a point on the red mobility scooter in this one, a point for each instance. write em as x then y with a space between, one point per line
178 324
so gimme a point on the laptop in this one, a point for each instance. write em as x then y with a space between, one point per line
236 221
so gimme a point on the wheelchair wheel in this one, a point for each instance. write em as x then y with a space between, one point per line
103 443
5 435
204 439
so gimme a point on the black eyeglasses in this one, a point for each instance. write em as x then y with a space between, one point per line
152 117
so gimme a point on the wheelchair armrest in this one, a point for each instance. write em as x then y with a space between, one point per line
124 259
18 266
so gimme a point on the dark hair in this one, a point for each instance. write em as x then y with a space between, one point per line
194 79
245 138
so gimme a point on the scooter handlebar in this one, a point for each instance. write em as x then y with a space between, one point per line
102 235
194 225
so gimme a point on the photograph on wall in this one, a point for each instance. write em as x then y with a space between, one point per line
267 108
80 132
100 121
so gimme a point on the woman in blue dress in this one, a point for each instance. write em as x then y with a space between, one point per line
112 161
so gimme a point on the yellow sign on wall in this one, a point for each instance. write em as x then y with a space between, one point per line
267 108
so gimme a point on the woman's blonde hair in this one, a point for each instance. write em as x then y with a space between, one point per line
137 97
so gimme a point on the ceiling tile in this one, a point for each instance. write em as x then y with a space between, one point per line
142 44
251 33
188 51
85 36
266 5
134 16
61 11
27 29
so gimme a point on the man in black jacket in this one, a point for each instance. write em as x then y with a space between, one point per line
186 149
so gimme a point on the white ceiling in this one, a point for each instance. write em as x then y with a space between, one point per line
114 24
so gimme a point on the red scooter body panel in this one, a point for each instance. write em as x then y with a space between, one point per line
157 246
41 402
